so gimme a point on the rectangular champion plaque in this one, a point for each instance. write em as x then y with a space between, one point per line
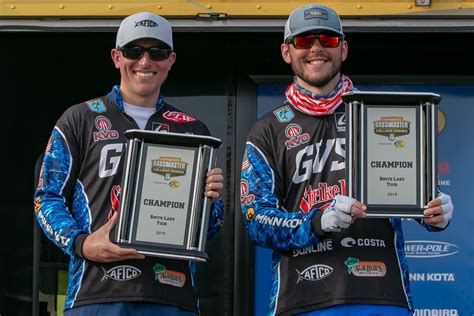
163 210
391 151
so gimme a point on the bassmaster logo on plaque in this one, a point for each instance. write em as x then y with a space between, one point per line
392 126
169 167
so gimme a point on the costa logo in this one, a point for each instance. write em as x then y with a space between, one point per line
429 249
292 130
349 242
121 273
314 273
102 123
178 117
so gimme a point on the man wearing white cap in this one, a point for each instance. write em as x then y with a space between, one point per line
327 260
76 201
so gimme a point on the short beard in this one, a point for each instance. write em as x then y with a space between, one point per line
321 81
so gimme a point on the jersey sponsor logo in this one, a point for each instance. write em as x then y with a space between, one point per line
324 245
121 273
284 114
278 221
170 277
314 273
96 105
245 197
64 241
313 158
245 163
293 132
178 117
169 167
110 159
392 126
114 200
160 127
322 194
340 121
365 268
349 242
432 277
436 312
429 249
249 214
105 132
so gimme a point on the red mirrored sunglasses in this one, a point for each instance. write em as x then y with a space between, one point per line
306 40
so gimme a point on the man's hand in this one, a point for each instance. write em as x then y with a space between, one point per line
341 213
98 247
214 183
439 211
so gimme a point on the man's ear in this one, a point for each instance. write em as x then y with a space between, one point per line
345 50
285 53
115 54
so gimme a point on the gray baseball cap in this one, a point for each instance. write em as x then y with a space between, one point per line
312 17
144 25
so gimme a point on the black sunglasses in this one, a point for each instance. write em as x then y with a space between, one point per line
136 52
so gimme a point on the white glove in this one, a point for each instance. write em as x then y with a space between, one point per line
447 207
338 214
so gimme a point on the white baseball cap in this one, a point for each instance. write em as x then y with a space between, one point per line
144 25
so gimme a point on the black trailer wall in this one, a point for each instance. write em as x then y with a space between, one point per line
214 78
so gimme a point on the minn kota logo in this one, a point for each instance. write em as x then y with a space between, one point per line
392 126
169 167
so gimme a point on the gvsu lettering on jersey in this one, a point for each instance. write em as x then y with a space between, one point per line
109 159
313 158
278 221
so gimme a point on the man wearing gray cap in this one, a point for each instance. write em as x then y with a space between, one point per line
76 200
327 260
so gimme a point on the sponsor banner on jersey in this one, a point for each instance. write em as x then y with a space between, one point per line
350 242
160 127
435 312
249 214
324 245
340 121
432 277
121 273
103 125
284 114
321 196
278 221
314 273
245 197
429 249
96 105
178 117
48 228
365 268
295 136
170 277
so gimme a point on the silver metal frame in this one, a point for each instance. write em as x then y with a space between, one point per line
193 247
426 103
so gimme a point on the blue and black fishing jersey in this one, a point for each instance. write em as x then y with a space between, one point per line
78 192
294 165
